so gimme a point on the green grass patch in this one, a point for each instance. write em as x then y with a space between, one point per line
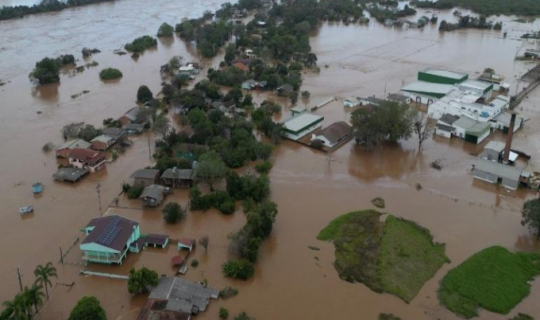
494 279
408 258
396 256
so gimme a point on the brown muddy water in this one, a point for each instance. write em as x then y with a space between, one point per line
311 188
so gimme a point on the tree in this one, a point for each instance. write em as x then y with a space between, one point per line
243 316
44 274
203 241
88 308
165 30
162 126
140 281
34 295
144 94
172 212
390 121
531 216
110 74
211 168
422 128
238 269
19 308
71 131
305 97
46 71
89 132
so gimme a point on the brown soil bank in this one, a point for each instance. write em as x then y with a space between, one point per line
396 256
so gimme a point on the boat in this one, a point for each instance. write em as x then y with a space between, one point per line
37 188
26 210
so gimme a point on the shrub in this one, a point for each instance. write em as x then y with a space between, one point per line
263 167
135 191
165 30
195 263
125 187
140 44
46 71
238 269
88 308
172 212
110 74
223 313
243 316
228 292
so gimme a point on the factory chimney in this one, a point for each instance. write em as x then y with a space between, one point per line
509 137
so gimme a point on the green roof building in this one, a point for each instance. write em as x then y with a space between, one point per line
442 76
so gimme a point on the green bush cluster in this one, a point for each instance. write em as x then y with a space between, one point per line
238 269
140 44
217 199
110 74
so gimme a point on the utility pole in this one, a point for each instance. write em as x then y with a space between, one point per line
61 256
19 275
98 186
149 148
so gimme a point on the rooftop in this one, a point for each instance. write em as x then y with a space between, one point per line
445 73
154 192
182 295
428 87
449 118
498 169
336 131
496 146
114 133
174 173
72 144
110 231
477 85
465 123
103 138
132 113
145 174
301 121
69 174
86 155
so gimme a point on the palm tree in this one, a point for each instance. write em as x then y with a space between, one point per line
20 308
35 295
44 274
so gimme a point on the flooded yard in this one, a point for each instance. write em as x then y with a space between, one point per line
310 187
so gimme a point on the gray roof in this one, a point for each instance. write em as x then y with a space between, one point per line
183 295
115 133
75 144
154 192
103 138
374 100
498 169
496 146
505 117
180 174
445 73
444 127
69 174
448 118
428 87
132 113
145 174
336 131
465 123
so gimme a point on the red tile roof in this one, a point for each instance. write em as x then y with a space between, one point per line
88 156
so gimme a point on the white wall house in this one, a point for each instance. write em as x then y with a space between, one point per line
301 125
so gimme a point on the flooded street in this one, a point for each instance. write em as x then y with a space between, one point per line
310 187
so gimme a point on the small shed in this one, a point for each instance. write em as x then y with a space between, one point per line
152 196
144 177
493 151
177 178
334 134
186 243
131 116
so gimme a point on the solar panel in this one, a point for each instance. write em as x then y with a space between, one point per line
111 232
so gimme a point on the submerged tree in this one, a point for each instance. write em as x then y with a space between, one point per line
422 128
531 216
88 308
140 281
44 274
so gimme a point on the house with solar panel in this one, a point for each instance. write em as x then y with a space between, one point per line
109 238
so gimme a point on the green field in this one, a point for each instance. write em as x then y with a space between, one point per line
396 256
494 279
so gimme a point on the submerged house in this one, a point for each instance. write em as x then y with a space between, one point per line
498 173
152 196
87 159
70 174
470 130
64 150
109 238
177 178
334 134
301 125
445 125
144 177
102 142
131 116
176 299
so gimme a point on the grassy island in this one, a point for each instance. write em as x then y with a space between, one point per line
110 74
494 279
396 256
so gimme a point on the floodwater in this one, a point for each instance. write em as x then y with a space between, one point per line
310 188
